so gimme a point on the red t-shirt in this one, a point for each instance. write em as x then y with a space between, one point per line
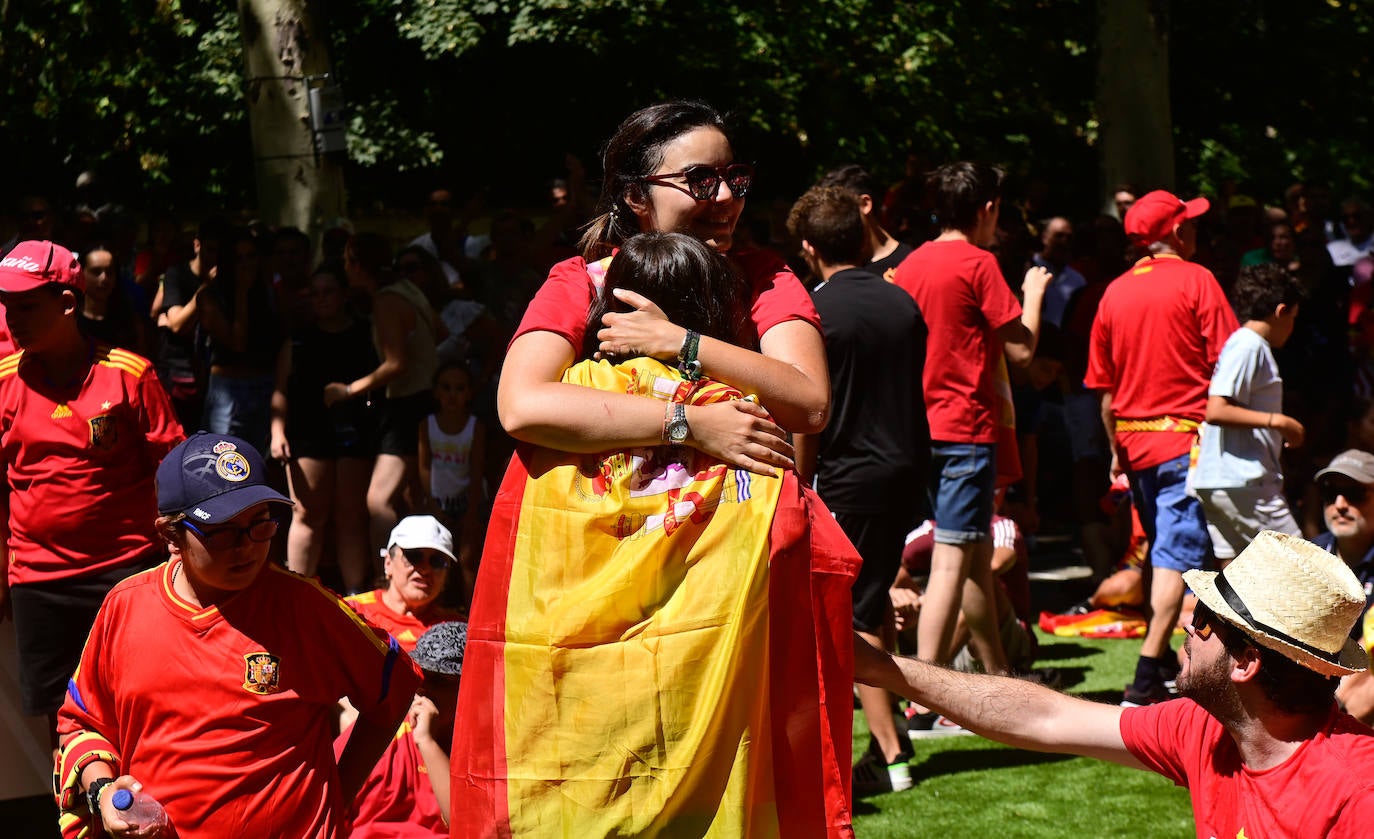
397 801
1155 341
80 472
1325 790
778 296
406 629
964 299
225 714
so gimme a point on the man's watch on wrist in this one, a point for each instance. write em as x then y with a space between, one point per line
93 790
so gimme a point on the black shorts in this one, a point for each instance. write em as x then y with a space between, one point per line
52 620
879 538
398 429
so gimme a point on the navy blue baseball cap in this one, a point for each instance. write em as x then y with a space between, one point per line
212 478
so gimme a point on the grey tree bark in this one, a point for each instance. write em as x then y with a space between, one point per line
1136 124
283 44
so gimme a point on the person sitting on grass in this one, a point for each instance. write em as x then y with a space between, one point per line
1257 737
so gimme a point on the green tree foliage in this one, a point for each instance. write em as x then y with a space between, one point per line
492 93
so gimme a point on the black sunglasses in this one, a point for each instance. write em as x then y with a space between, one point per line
1354 494
1202 621
417 558
703 182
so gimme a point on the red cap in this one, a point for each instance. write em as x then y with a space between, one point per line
32 264
1154 216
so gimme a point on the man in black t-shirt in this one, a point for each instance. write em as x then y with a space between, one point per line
865 463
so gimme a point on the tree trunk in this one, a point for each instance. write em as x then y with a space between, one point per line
284 42
1136 133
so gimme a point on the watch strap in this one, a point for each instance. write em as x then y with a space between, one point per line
687 362
93 791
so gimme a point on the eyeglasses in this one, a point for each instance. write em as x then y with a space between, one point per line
418 557
703 182
1202 621
1354 494
229 537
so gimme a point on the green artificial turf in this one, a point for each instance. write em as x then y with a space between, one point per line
970 787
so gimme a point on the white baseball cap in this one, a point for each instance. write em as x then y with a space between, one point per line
414 532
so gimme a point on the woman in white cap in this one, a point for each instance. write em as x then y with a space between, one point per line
416 560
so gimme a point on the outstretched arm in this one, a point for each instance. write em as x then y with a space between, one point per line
1011 711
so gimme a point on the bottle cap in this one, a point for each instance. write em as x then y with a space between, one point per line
123 799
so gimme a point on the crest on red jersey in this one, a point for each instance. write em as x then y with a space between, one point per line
264 673
104 432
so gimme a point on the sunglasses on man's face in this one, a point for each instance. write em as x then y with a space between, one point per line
1203 621
1354 494
703 182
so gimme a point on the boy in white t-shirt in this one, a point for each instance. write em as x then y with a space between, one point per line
1239 479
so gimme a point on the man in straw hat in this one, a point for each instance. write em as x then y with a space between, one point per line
1257 737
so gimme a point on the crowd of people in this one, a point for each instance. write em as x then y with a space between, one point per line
725 464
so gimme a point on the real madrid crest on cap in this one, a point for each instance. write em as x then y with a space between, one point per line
230 465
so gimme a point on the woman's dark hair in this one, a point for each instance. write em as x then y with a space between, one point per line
695 286
636 150
372 252
228 254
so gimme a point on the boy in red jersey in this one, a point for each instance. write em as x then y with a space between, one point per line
973 319
211 679
82 428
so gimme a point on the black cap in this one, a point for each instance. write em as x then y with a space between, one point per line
440 649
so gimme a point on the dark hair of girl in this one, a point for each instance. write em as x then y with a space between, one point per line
636 150
696 287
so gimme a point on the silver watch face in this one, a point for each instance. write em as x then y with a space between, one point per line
677 430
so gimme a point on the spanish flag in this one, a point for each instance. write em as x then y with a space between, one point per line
659 645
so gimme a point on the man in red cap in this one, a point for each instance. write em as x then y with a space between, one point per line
1155 341
82 428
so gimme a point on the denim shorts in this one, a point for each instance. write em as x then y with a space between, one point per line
962 477
1172 519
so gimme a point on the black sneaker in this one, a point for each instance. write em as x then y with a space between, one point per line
873 776
1155 693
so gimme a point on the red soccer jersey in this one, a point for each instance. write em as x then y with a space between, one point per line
406 629
1155 341
777 296
224 714
80 471
397 801
964 299
1325 790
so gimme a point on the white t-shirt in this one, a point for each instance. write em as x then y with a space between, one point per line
1230 458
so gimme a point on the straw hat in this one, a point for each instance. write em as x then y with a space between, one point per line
1293 597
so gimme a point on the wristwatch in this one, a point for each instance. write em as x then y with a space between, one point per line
93 790
675 430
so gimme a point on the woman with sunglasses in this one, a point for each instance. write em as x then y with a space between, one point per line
624 581
670 168
416 560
